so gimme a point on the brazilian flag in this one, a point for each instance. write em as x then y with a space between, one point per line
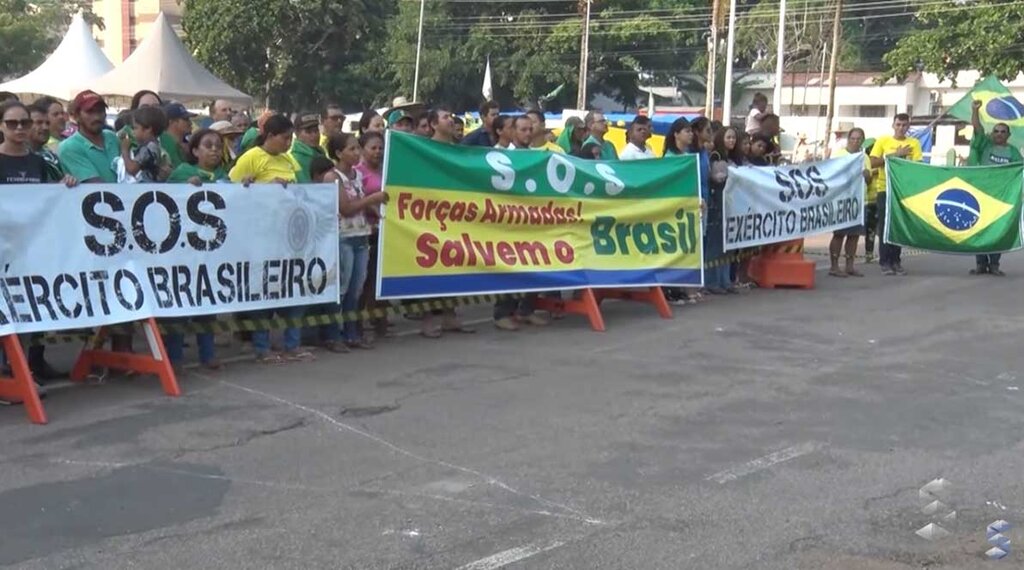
975 209
998 105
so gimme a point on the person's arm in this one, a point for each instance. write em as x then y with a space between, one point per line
979 129
348 206
130 165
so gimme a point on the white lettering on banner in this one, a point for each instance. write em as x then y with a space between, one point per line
128 252
768 205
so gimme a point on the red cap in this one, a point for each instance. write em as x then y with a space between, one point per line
87 101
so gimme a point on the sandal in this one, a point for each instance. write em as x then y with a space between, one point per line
837 273
212 365
459 329
269 358
854 273
362 344
430 333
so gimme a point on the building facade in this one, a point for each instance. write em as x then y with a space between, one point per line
126 23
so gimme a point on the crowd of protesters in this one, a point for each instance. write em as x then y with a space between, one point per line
156 141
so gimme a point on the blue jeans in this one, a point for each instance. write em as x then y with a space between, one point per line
292 335
353 259
175 342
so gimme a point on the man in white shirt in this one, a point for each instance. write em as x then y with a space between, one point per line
636 147
757 110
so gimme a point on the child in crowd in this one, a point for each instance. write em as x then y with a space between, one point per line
759 145
148 123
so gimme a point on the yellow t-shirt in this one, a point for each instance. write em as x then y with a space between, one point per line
888 145
549 146
264 167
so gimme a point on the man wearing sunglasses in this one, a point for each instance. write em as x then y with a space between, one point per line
988 150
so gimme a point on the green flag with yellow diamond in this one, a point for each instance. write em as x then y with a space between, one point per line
954 210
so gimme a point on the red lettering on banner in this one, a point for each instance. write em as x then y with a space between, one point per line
467 252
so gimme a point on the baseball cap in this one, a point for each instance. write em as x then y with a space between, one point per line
87 101
177 111
307 120
396 116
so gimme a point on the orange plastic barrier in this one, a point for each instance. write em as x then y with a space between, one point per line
156 362
782 265
589 303
20 388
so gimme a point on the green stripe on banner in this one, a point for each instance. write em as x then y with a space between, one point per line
412 161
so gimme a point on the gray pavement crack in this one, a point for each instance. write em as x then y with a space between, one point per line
868 501
245 439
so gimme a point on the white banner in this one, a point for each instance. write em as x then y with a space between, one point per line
768 205
104 253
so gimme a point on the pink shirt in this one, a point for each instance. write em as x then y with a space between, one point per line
372 182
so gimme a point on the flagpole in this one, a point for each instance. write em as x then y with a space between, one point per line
780 53
419 49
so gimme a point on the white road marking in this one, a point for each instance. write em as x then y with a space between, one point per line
509 556
762 463
342 426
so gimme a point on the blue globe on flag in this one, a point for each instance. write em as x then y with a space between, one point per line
957 209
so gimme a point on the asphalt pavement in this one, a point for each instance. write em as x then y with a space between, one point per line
784 429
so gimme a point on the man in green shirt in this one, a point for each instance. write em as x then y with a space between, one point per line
597 127
89 154
306 144
988 150
179 126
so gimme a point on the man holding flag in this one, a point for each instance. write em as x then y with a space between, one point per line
989 150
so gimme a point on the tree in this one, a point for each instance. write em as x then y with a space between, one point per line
294 54
30 31
974 34
535 49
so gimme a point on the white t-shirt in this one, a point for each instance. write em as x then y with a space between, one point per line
633 152
753 121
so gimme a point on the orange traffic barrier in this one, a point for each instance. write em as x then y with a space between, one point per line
782 265
589 303
155 362
19 388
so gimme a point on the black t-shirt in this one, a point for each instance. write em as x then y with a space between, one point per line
28 169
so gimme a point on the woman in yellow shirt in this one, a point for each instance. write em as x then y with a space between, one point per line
269 162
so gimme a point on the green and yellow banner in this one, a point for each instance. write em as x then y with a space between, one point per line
470 220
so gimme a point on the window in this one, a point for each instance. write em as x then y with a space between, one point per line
872 111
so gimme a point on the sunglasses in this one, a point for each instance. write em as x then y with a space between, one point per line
16 123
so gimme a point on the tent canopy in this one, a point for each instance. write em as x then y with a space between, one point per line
162 64
77 60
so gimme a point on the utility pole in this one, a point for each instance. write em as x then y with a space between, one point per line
581 93
419 49
709 105
727 97
780 54
836 30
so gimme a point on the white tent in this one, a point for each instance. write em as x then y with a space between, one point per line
162 64
76 60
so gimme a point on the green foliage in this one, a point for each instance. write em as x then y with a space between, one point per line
978 34
294 53
30 31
